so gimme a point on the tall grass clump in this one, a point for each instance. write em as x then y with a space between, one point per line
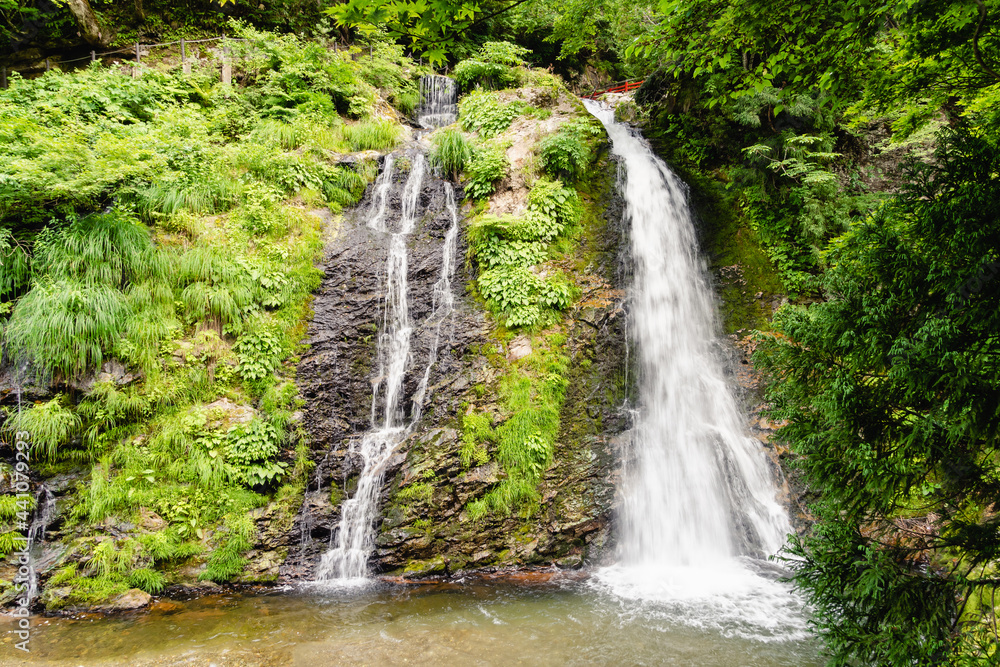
209 194
15 264
51 424
450 152
371 135
215 288
112 249
227 561
66 327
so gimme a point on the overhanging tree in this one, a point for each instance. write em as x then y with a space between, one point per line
891 391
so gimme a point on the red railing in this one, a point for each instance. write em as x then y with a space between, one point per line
620 87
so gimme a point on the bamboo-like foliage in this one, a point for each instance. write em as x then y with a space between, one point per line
49 425
371 135
215 288
451 152
15 264
101 249
66 327
290 136
211 195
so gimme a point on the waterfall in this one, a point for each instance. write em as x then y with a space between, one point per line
443 304
438 102
355 536
699 508
45 508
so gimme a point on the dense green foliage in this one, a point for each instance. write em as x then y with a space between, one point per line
506 248
159 236
890 389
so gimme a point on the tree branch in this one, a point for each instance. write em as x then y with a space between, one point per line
975 41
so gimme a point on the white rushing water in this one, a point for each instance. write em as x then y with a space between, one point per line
699 509
355 536
443 300
438 102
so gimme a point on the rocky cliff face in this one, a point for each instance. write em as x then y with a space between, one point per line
424 527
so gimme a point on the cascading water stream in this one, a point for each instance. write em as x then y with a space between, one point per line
355 536
438 102
699 506
443 304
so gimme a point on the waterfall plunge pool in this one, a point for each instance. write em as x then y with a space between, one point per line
555 622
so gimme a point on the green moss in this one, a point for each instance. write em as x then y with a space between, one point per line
532 395
419 492
736 255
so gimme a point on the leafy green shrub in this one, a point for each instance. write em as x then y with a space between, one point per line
250 448
450 152
65 327
563 155
520 294
487 166
506 248
259 352
552 208
492 247
484 113
495 67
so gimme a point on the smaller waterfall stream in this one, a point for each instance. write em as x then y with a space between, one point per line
355 536
438 102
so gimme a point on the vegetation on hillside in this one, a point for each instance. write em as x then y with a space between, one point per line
158 236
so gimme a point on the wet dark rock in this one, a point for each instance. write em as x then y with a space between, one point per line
425 530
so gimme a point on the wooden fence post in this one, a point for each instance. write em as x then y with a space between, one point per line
3 77
48 66
93 56
185 65
227 66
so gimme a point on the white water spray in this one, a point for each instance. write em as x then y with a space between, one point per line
699 502
355 536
